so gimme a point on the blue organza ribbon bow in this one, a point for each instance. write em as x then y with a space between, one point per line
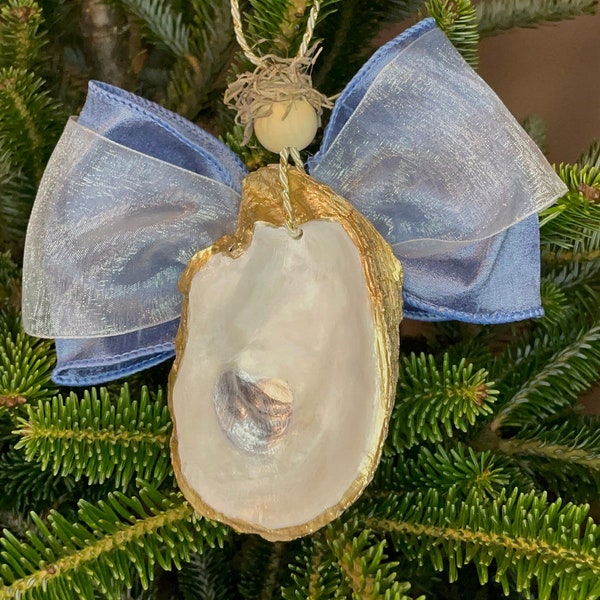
417 142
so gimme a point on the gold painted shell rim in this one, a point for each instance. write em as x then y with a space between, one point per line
383 276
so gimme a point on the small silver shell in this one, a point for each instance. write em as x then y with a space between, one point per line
253 413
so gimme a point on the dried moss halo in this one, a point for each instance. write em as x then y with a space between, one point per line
275 79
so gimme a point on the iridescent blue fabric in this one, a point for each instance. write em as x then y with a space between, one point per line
417 141
116 229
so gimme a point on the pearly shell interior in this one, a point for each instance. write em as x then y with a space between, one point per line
286 363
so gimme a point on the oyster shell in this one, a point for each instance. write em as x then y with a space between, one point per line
286 363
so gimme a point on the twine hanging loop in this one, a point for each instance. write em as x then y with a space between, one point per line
275 78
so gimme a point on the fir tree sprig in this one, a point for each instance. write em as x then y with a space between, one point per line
555 384
100 437
109 545
27 487
435 403
555 303
262 567
575 441
484 473
537 129
572 276
361 559
343 32
531 541
21 34
161 24
18 193
569 228
458 20
206 576
345 561
28 120
26 364
10 285
193 76
314 572
553 455
196 36
495 16
591 157
277 27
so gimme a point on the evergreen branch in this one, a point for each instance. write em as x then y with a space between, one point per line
537 129
472 342
561 457
458 20
551 451
72 559
567 276
193 76
26 487
529 539
568 372
28 119
399 10
495 16
253 154
433 403
344 33
277 26
26 364
484 474
161 24
575 442
580 178
98 438
591 157
570 229
206 576
531 349
18 194
315 575
10 287
343 561
268 23
21 36
555 303
261 566
363 565
198 38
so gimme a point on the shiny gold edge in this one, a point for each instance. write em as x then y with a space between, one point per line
311 200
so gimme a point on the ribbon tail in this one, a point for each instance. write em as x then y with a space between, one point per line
425 149
90 361
131 193
479 283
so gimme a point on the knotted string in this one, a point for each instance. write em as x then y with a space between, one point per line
284 156
243 44
275 79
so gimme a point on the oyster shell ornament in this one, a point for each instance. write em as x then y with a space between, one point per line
287 345
286 362
287 352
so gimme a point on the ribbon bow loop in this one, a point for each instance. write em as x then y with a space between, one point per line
417 142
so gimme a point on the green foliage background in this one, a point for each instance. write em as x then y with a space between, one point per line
491 465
